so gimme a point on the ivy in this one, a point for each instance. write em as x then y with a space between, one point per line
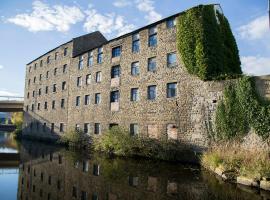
241 109
206 44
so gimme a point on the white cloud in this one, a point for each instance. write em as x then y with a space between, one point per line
256 65
147 6
1 66
256 29
46 18
122 3
109 23
6 93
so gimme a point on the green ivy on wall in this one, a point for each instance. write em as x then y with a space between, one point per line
206 44
241 109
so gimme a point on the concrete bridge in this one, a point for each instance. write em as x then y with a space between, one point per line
9 160
11 104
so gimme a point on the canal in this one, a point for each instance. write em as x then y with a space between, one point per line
49 172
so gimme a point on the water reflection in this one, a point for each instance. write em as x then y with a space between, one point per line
7 143
49 172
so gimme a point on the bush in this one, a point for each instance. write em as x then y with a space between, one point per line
206 44
75 138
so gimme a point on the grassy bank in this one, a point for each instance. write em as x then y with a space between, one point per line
230 156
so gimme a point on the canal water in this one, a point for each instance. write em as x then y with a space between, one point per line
51 172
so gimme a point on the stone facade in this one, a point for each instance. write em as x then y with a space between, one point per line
187 116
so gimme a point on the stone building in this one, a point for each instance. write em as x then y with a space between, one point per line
137 81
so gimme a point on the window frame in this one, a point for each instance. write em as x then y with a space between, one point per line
149 94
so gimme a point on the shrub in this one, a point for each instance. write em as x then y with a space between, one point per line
206 44
74 138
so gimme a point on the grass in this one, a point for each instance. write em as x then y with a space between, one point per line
230 155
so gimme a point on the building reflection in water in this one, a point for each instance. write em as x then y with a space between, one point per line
52 173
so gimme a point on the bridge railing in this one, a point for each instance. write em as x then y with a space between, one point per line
11 98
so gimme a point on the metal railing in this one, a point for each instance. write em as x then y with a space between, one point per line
11 98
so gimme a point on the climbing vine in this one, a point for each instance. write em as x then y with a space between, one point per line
241 109
206 44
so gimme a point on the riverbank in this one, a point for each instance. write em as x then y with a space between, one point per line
233 163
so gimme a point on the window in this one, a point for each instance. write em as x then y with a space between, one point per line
48 59
115 72
77 127
40 77
83 195
135 69
151 92
152 64
53 104
136 43
39 91
54 87
64 85
88 79
61 127
134 95
64 68
152 40
33 93
65 51
34 80
47 74
41 63
97 98
86 99
171 23
97 128
171 59
38 106
134 129
79 81
28 95
33 107
116 52
52 127
80 65
60 158
44 127
45 105
86 128
56 55
62 103
35 66
29 70
58 184
90 59
46 89
49 180
115 96
171 90
100 55
98 77
78 101
29 81
74 192
55 72
85 164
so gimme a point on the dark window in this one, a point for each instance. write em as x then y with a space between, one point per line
61 127
86 99
115 96
96 170
97 98
53 104
27 95
65 51
56 55
115 72
90 59
152 66
171 22
40 77
171 59
32 107
151 92
46 89
86 128
47 74
33 93
85 165
116 52
29 81
134 94
41 176
54 87
98 77
97 128
45 105
29 70
80 65
62 103
55 72
52 127
79 81
38 107
88 79
48 59
171 90
83 195
100 55
74 192
41 63
136 43
94 197
34 80
51 157
44 127
65 68
152 41
78 99
135 69
49 180
59 185
64 85
27 108
39 91
35 66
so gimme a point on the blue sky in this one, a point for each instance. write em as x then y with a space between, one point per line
31 28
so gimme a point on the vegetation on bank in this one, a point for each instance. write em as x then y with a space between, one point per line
206 44
17 120
231 156
117 141
240 110
74 138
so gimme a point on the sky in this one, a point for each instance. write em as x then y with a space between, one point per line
29 29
